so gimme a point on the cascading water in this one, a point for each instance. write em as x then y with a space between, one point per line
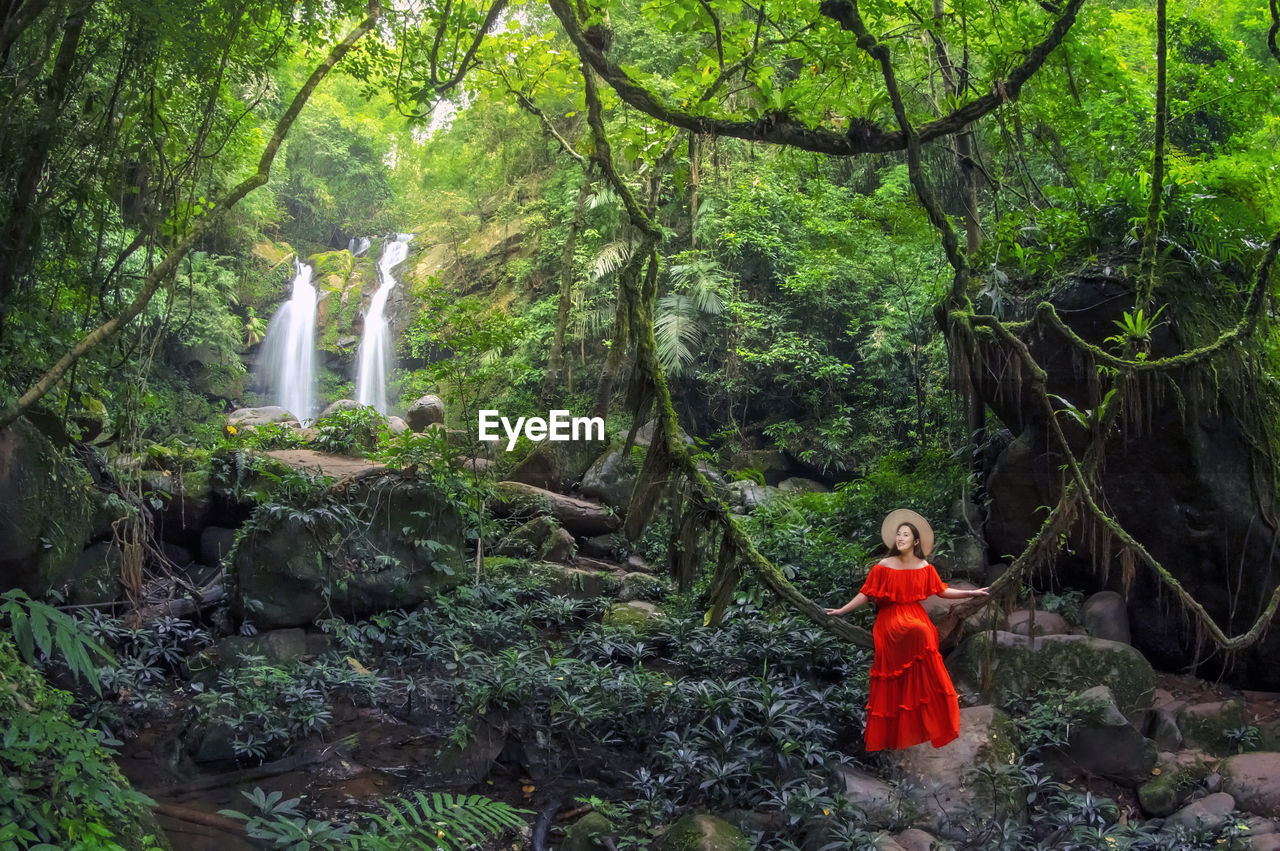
374 358
358 245
286 363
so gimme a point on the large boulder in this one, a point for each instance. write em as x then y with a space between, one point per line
1107 616
556 465
611 478
182 503
880 802
541 538
772 464
1253 779
247 418
582 518
426 410
1037 622
47 510
403 541
1022 665
951 780
1209 725
1105 744
340 405
1174 779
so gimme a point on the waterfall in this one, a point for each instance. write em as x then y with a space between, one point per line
358 245
286 363
374 359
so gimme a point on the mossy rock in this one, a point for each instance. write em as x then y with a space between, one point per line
636 614
295 565
703 833
1167 791
585 833
65 776
1021 665
336 264
575 582
48 505
1209 725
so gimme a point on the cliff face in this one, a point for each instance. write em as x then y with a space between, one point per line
1186 476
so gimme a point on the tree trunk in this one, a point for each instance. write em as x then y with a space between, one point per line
21 226
954 79
555 362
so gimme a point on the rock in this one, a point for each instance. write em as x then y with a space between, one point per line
580 583
644 434
703 833
278 646
1211 811
556 465
1106 616
1023 665
969 557
749 495
641 586
397 425
47 509
180 556
541 539
1037 622
948 780
246 418
950 628
1024 484
426 410
215 543
1162 728
340 405
1264 842
915 839
1179 776
604 546
1207 725
95 577
635 563
636 613
799 484
185 504
1105 744
582 836
774 465
611 478
881 802
580 517
406 542
1253 779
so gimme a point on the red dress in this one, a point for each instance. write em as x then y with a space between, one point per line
912 699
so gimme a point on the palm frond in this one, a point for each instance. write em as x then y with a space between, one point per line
439 821
611 258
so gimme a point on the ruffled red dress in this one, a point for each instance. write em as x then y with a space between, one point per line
912 699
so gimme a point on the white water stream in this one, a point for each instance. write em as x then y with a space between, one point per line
287 361
374 358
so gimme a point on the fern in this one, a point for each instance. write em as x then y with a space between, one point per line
440 821
611 258
58 637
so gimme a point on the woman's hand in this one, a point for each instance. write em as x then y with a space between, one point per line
837 612
981 592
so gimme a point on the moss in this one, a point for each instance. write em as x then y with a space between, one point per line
635 615
1211 732
1020 666
583 835
704 833
1168 790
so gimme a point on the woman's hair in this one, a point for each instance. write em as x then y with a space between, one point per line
915 534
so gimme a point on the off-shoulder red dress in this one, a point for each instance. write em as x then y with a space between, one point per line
912 699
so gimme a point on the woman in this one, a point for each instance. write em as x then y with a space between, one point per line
912 699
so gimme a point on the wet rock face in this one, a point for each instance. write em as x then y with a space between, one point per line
1187 487
403 542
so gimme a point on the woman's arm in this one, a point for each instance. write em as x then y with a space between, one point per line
860 600
964 593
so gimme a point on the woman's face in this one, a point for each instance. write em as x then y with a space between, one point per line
904 540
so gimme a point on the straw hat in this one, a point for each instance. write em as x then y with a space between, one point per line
895 518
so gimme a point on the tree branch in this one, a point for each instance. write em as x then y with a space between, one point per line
197 228
797 134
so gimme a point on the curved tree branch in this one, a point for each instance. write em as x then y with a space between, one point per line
794 133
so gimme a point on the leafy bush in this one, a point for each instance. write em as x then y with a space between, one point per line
356 431
62 788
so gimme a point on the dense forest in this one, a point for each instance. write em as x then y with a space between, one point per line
265 265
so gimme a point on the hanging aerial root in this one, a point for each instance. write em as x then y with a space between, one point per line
728 575
688 557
